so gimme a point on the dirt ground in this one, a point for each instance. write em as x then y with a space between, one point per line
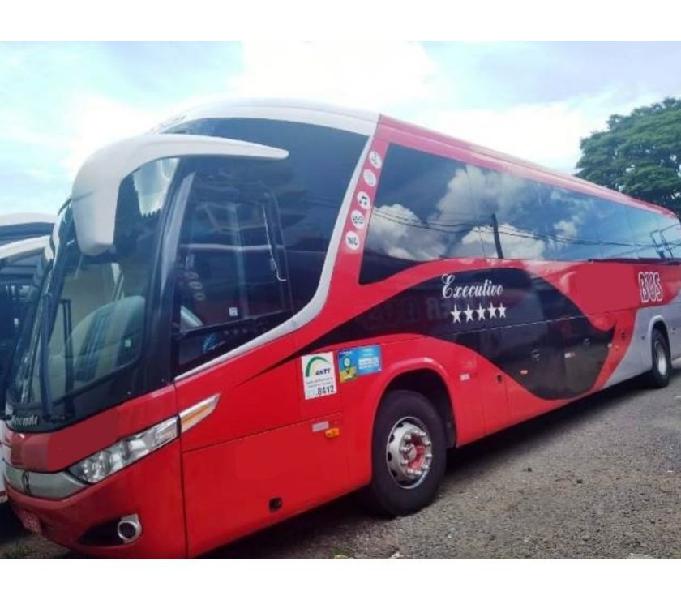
598 478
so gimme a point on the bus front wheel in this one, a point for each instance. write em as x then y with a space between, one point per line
409 454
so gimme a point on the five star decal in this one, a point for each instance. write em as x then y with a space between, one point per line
478 314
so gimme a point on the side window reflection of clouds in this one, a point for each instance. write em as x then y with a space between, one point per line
430 207
509 208
423 211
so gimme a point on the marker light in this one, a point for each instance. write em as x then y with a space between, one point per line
195 414
106 462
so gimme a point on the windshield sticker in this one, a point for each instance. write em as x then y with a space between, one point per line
356 362
363 200
369 177
357 219
375 159
319 375
352 240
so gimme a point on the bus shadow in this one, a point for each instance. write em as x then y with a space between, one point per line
537 429
10 527
347 513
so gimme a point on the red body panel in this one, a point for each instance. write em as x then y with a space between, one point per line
51 452
265 443
152 488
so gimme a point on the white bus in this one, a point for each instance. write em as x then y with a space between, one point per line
23 237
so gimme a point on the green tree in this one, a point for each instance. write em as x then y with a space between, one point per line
639 154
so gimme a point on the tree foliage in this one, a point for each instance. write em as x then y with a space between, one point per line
639 154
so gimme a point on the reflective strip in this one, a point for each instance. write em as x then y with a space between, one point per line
52 486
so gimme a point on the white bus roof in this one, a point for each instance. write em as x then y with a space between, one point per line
365 122
22 248
15 250
13 219
359 121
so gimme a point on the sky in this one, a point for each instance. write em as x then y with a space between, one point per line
60 101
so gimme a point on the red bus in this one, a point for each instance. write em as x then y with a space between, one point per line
259 307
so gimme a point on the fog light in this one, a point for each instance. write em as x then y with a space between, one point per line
129 529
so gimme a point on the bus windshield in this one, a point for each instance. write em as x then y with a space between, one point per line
238 251
90 316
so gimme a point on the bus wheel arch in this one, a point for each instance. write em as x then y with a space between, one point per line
432 385
412 428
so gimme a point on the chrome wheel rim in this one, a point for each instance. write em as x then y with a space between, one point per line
409 453
661 359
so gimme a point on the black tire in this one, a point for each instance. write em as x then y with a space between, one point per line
660 371
384 494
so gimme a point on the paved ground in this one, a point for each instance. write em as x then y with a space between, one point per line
599 478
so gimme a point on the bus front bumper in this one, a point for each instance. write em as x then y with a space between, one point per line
100 519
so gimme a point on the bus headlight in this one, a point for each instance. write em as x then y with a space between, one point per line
104 463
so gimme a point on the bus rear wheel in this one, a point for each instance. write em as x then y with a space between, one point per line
409 454
660 372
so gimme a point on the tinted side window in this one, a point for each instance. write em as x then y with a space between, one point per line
648 230
510 209
423 211
231 278
569 221
671 237
615 232
309 193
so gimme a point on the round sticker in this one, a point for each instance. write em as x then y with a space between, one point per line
369 177
375 159
357 219
352 240
363 200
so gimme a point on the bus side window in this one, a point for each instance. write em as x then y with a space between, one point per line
231 283
615 231
509 206
671 234
423 211
570 224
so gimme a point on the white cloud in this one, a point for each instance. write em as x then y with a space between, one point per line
49 135
401 234
363 75
546 133
95 121
403 80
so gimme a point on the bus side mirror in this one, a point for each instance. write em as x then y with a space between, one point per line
94 197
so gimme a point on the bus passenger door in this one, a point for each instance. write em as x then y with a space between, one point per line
323 434
496 406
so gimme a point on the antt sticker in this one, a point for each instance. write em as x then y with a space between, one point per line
319 375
